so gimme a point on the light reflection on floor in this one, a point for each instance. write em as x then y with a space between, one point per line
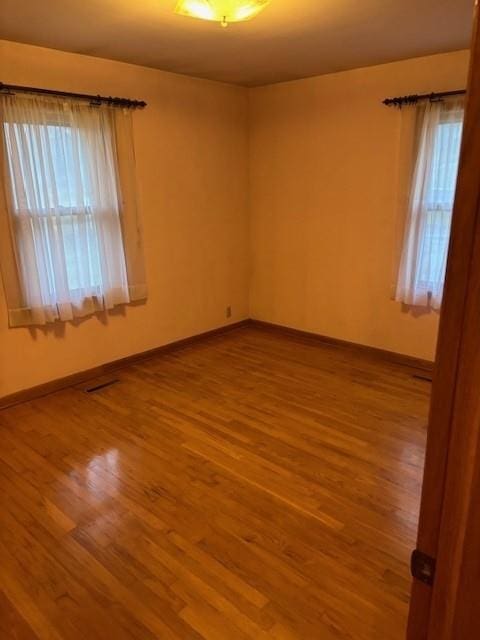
97 467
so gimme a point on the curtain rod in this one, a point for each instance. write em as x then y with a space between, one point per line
414 98
94 100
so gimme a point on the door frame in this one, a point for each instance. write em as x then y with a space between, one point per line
451 485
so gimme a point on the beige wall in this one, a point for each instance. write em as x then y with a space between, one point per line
191 148
324 192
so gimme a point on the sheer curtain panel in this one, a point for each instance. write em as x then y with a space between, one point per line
70 236
425 247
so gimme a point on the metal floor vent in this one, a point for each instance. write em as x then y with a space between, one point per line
102 385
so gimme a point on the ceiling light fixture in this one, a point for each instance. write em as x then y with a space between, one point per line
223 11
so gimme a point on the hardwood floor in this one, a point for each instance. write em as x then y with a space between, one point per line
251 486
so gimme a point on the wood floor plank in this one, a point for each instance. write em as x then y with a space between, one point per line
252 486
12 623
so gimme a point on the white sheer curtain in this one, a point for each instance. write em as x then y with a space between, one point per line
424 256
65 208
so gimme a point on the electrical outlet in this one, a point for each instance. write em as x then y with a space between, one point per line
228 312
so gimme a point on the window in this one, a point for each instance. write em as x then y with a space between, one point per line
69 214
439 201
58 198
424 256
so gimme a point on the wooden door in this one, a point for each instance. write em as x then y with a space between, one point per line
449 527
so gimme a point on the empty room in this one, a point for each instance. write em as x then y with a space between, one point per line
239 301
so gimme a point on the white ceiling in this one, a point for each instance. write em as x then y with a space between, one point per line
289 39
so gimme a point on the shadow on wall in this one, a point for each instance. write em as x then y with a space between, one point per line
417 312
58 328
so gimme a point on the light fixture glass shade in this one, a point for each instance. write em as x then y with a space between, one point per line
223 11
